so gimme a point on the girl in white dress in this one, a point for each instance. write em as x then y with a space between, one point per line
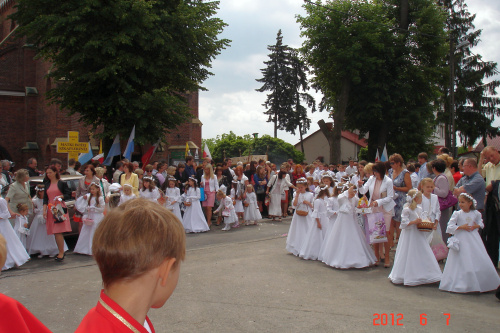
149 190
332 209
38 240
300 225
172 198
16 253
468 267
414 262
237 194
21 224
252 213
92 205
314 237
193 220
431 209
127 194
327 180
345 246
227 208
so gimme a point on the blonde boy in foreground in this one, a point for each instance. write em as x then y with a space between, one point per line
138 247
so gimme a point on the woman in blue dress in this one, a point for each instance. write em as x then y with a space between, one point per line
401 181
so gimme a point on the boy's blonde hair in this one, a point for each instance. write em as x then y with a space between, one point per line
425 181
135 238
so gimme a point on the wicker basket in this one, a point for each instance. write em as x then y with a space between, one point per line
302 212
425 225
246 204
187 203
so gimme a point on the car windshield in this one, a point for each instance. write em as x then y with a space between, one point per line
72 184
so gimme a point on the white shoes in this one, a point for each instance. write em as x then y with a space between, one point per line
226 227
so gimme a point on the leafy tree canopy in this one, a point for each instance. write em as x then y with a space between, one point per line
230 145
124 62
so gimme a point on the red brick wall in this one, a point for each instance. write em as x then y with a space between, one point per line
31 118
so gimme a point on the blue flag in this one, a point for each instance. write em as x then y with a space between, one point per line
113 151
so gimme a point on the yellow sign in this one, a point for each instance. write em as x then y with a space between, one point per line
72 146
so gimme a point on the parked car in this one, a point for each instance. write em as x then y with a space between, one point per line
72 182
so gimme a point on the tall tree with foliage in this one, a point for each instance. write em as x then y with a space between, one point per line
124 62
378 65
275 79
475 102
299 85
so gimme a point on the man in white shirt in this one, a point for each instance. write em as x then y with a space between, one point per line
351 168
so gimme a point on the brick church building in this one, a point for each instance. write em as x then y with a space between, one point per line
30 127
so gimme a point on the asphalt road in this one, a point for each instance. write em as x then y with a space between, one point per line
244 281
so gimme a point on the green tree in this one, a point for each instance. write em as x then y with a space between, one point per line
275 79
232 145
286 78
124 62
475 103
299 85
378 65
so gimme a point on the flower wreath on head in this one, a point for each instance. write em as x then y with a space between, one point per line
410 198
468 196
301 180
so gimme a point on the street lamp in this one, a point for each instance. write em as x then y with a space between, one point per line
453 48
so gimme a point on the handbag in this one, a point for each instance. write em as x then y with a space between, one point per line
375 230
449 201
202 194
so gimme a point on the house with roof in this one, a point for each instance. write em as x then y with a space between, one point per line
316 145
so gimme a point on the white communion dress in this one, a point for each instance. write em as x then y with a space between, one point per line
414 262
194 220
345 245
300 224
469 269
93 212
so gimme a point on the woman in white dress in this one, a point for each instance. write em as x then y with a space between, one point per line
345 246
314 238
193 220
276 190
252 213
302 201
16 253
414 263
149 190
173 197
468 267
92 206
38 240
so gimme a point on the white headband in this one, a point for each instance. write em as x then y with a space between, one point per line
410 198
468 196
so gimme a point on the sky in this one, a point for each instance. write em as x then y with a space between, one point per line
232 103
